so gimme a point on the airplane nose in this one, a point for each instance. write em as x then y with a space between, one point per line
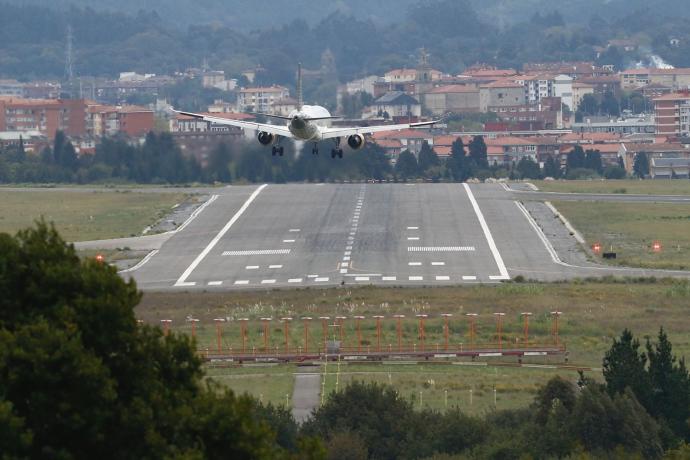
297 122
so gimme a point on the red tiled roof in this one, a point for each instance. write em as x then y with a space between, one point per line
590 137
225 115
442 150
453 89
389 143
444 140
403 134
502 84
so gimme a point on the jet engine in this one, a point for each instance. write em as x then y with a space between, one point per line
356 141
266 138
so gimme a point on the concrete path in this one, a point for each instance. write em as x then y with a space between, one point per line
305 396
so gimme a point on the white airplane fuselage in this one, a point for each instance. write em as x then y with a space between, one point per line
302 125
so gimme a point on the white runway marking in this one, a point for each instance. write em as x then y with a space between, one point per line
440 248
251 267
416 278
348 248
143 261
275 266
414 264
312 276
242 282
443 278
348 253
294 230
413 228
215 283
295 280
288 241
438 264
268 281
412 238
487 233
321 280
183 279
361 278
258 252
469 278
389 278
343 271
346 258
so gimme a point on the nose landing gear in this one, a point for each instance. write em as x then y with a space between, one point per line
337 151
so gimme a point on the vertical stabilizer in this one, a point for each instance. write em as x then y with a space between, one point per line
300 99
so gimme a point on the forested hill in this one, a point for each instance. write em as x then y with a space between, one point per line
247 15
455 32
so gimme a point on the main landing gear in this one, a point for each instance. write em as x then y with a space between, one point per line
277 150
315 149
337 151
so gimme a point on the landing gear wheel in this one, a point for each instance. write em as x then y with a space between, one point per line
274 150
340 153
280 151
334 152
314 151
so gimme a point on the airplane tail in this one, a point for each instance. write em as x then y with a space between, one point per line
300 99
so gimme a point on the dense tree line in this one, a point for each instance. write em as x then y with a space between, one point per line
160 160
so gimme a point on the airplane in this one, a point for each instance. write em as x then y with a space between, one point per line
308 123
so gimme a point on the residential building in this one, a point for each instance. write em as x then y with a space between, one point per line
11 88
132 121
658 150
284 107
669 168
186 124
451 98
410 139
576 70
397 105
637 78
673 114
46 116
260 99
630 125
579 91
216 79
501 93
544 115
563 88
33 141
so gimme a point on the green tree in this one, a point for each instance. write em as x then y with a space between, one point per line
79 378
641 165
557 391
614 172
528 168
406 167
478 152
552 168
624 366
670 385
575 159
593 161
219 164
427 158
456 163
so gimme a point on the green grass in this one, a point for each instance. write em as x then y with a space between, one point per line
593 314
272 384
631 186
630 229
85 216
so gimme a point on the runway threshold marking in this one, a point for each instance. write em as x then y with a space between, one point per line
469 278
440 248
182 281
489 238
257 252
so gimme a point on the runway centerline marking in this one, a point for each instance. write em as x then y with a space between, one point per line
321 280
258 252
275 266
442 278
239 282
268 281
438 264
183 279
414 264
413 228
416 278
251 267
288 241
469 278
389 278
215 283
489 238
412 238
362 278
294 230
295 280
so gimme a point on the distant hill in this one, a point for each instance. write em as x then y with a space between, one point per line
247 15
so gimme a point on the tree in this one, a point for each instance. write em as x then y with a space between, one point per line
528 168
406 167
478 152
374 413
427 158
556 391
593 161
79 378
614 172
219 164
641 165
624 367
456 163
575 159
552 168
670 385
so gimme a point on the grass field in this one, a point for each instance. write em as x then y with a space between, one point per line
631 186
593 313
630 230
86 215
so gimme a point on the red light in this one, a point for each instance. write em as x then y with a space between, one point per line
656 246
100 258
596 247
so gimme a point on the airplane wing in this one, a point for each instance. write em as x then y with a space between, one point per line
278 130
328 133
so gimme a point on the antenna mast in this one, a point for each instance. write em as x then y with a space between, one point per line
69 58
300 99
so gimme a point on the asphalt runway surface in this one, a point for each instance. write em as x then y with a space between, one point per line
311 235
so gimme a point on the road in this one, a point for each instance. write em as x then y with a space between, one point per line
311 235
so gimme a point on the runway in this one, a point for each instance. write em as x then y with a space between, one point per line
311 235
